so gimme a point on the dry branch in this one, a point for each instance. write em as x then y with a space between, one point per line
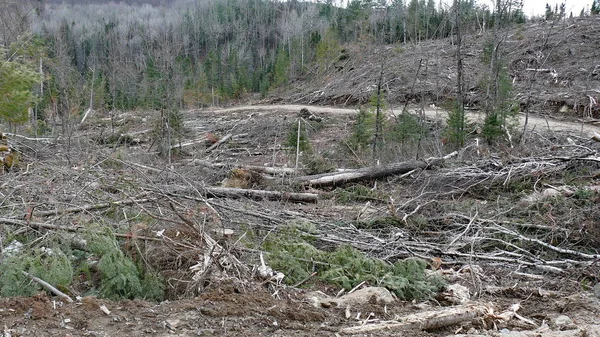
373 172
270 169
221 141
193 142
425 320
42 225
94 207
226 192
49 287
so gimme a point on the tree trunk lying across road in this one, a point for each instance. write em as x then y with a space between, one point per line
226 192
372 172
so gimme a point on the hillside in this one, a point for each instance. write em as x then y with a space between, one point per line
551 65
191 173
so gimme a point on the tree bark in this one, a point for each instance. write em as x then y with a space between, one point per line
425 320
367 173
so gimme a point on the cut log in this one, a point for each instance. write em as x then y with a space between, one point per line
425 320
270 169
227 192
192 142
221 141
373 172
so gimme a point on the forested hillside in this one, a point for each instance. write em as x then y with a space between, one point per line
193 53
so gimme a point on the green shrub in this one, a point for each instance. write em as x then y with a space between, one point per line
51 265
294 140
12 281
346 267
363 130
356 193
120 277
115 274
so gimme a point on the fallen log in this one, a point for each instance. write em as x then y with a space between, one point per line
373 172
270 169
49 287
190 143
229 192
217 144
425 320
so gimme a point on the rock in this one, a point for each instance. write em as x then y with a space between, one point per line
597 290
366 295
455 294
564 322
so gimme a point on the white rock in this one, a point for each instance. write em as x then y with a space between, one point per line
564 322
456 293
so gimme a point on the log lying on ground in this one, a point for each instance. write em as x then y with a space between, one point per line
221 141
270 169
425 320
373 172
228 192
190 143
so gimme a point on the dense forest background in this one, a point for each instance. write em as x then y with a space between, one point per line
184 53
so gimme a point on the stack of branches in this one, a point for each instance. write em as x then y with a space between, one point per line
186 227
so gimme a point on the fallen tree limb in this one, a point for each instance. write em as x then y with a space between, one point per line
270 169
425 320
94 207
217 144
49 287
192 142
227 192
41 140
75 229
373 172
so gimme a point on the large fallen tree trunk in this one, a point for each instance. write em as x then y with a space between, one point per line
227 192
373 172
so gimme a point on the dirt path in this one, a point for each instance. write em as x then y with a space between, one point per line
535 123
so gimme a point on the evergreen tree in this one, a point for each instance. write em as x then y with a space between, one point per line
17 77
595 7
549 14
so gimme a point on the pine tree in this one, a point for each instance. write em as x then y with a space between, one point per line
549 14
17 78
595 7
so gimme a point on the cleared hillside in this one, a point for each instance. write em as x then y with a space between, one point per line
551 65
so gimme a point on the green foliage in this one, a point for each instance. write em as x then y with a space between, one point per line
355 193
12 280
168 130
406 129
363 130
595 10
315 163
51 265
327 50
281 68
294 141
116 274
584 196
17 77
501 118
293 254
120 277
456 128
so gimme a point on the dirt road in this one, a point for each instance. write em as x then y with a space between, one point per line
535 122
